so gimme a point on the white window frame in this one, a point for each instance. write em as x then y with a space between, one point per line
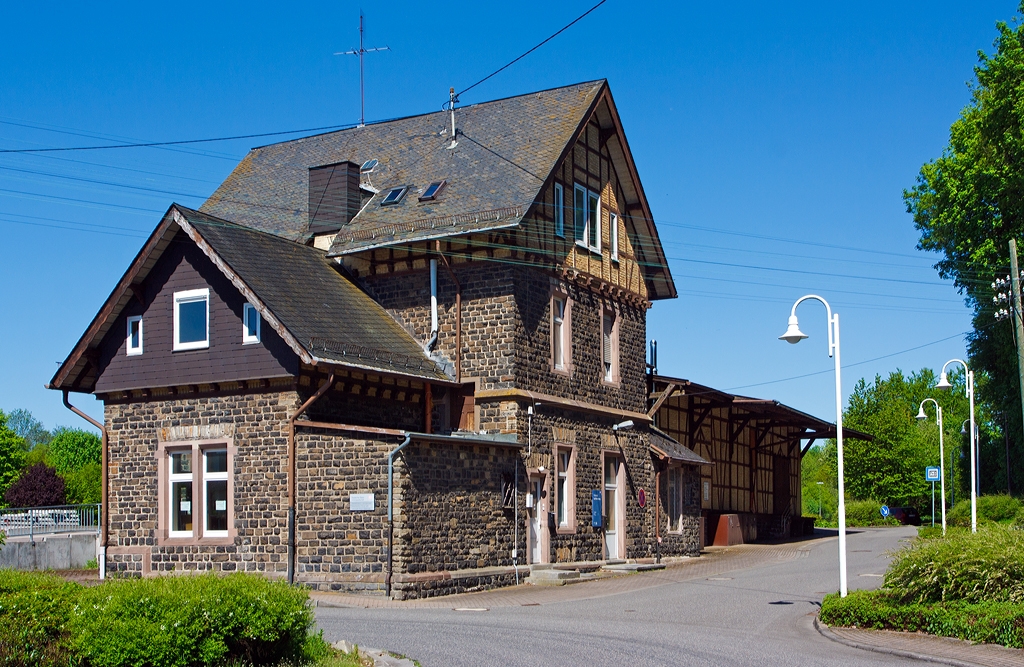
130 350
565 489
613 233
559 326
172 479
215 477
590 217
609 347
189 296
248 339
559 211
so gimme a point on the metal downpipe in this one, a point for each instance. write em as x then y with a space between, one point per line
391 510
103 483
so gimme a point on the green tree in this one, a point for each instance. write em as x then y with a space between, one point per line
73 448
12 455
967 204
28 428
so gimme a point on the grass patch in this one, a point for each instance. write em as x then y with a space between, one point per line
988 622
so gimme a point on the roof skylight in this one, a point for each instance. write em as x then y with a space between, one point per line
368 166
433 190
394 195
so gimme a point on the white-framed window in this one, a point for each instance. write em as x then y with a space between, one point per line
559 332
587 217
192 319
565 488
609 347
250 324
613 234
675 499
559 210
180 489
215 492
133 341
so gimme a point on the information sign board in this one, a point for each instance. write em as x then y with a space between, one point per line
360 502
596 513
884 510
931 474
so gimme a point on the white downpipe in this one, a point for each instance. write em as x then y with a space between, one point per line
433 306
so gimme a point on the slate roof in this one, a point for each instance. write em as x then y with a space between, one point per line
319 312
665 445
506 149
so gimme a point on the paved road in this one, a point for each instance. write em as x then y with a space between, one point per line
753 605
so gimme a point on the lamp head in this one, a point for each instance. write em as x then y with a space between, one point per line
623 426
963 429
920 413
943 382
793 334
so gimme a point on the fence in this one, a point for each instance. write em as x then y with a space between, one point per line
32 521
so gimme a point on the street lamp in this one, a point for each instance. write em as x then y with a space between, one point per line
944 384
942 459
820 484
963 431
794 335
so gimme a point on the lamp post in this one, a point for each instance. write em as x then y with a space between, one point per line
944 384
963 431
794 335
820 484
942 459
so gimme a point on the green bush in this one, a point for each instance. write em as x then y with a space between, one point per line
987 566
194 620
867 513
991 622
84 485
34 614
997 508
72 448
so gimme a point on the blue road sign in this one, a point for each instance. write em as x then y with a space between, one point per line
596 513
885 510
931 474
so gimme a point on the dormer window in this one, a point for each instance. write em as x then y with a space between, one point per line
368 166
191 319
133 343
394 195
433 190
250 324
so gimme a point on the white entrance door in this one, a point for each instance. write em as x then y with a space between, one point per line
536 514
612 507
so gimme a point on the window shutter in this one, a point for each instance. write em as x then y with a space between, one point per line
607 339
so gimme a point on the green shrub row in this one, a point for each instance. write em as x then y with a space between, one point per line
176 621
987 566
867 513
1000 508
989 622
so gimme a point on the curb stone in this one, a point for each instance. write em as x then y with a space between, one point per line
380 657
826 632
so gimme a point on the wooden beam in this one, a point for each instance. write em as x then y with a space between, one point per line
695 424
665 394
807 448
764 434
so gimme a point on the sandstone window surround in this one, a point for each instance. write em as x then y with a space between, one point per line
133 341
609 347
561 333
565 489
674 512
559 210
196 492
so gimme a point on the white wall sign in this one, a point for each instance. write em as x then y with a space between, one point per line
360 502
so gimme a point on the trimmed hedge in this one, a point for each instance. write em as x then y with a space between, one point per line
867 513
177 621
998 508
989 622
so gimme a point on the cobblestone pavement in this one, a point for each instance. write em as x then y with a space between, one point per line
918 645
715 561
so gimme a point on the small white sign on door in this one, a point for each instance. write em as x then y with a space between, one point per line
360 502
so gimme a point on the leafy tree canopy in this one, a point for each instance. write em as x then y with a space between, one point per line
12 454
28 428
73 448
38 486
967 205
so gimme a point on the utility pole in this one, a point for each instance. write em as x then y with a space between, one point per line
361 52
1018 326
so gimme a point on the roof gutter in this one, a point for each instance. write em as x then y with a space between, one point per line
104 513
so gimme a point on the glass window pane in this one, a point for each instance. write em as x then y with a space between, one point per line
192 321
610 514
217 461
181 463
181 506
217 505
579 219
251 318
610 471
136 333
594 225
563 489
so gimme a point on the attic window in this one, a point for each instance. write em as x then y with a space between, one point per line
394 195
368 166
433 190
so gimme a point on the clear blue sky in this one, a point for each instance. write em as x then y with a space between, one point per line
773 141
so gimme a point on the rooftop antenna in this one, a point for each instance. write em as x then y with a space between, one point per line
452 99
360 52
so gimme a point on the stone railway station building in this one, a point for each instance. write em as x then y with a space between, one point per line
407 358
